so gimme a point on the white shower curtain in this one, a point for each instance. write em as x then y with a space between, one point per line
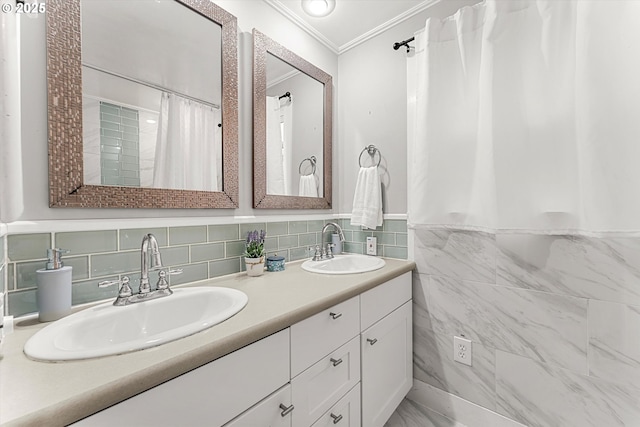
279 146
189 145
525 116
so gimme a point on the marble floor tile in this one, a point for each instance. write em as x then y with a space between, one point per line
614 342
433 364
540 395
545 327
411 414
459 254
605 269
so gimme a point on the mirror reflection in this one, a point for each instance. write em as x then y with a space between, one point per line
151 95
294 127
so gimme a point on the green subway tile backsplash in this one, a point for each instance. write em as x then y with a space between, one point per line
115 263
234 249
200 251
277 228
87 242
191 234
174 255
224 267
191 273
207 252
28 246
219 233
298 227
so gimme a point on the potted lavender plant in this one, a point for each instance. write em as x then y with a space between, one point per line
254 254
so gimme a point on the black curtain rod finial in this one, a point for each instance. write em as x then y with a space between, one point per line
405 43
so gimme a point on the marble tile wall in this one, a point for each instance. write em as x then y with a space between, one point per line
554 320
201 251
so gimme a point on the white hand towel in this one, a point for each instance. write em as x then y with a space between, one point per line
308 187
367 200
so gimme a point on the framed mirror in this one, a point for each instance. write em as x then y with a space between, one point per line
142 104
292 129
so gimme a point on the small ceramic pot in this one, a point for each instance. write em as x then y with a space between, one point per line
275 263
255 266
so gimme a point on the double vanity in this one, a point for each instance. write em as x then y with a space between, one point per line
307 349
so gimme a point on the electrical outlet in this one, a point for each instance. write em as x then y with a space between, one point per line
462 350
372 245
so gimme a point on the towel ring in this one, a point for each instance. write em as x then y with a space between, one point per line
372 150
311 160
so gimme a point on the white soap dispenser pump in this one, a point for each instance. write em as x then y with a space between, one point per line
53 294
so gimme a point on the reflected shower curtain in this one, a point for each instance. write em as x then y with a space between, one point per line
279 146
525 116
189 145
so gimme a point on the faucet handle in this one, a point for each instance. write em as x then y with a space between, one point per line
330 250
317 254
162 277
125 289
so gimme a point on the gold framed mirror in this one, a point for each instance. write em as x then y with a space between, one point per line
71 183
292 129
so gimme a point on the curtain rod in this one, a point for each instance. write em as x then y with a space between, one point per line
397 45
151 85
286 95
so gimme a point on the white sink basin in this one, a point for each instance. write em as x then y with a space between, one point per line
344 264
106 330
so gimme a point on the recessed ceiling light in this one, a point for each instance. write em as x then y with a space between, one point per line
318 8
151 121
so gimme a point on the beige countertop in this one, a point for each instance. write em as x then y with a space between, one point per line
38 393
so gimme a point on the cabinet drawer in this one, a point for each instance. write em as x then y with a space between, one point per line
318 388
315 337
382 300
211 394
345 413
268 412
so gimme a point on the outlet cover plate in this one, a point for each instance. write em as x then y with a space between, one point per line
462 350
372 245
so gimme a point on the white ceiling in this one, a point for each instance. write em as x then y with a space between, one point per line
347 25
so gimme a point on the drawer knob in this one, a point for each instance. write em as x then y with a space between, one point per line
336 418
372 341
285 410
336 362
335 316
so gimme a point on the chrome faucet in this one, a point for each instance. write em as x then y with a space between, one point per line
156 261
149 257
325 252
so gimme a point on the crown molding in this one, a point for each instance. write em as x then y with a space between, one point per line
387 25
287 13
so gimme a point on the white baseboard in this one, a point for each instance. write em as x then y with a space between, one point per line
457 408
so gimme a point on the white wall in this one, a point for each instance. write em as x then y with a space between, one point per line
250 14
372 98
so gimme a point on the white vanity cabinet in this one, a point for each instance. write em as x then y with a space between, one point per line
348 365
386 349
212 394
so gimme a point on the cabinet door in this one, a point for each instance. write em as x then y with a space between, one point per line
210 395
273 411
318 388
345 413
387 369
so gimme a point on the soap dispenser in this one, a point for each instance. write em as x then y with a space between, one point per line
53 294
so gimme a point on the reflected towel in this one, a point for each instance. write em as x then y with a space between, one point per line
367 200
308 187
